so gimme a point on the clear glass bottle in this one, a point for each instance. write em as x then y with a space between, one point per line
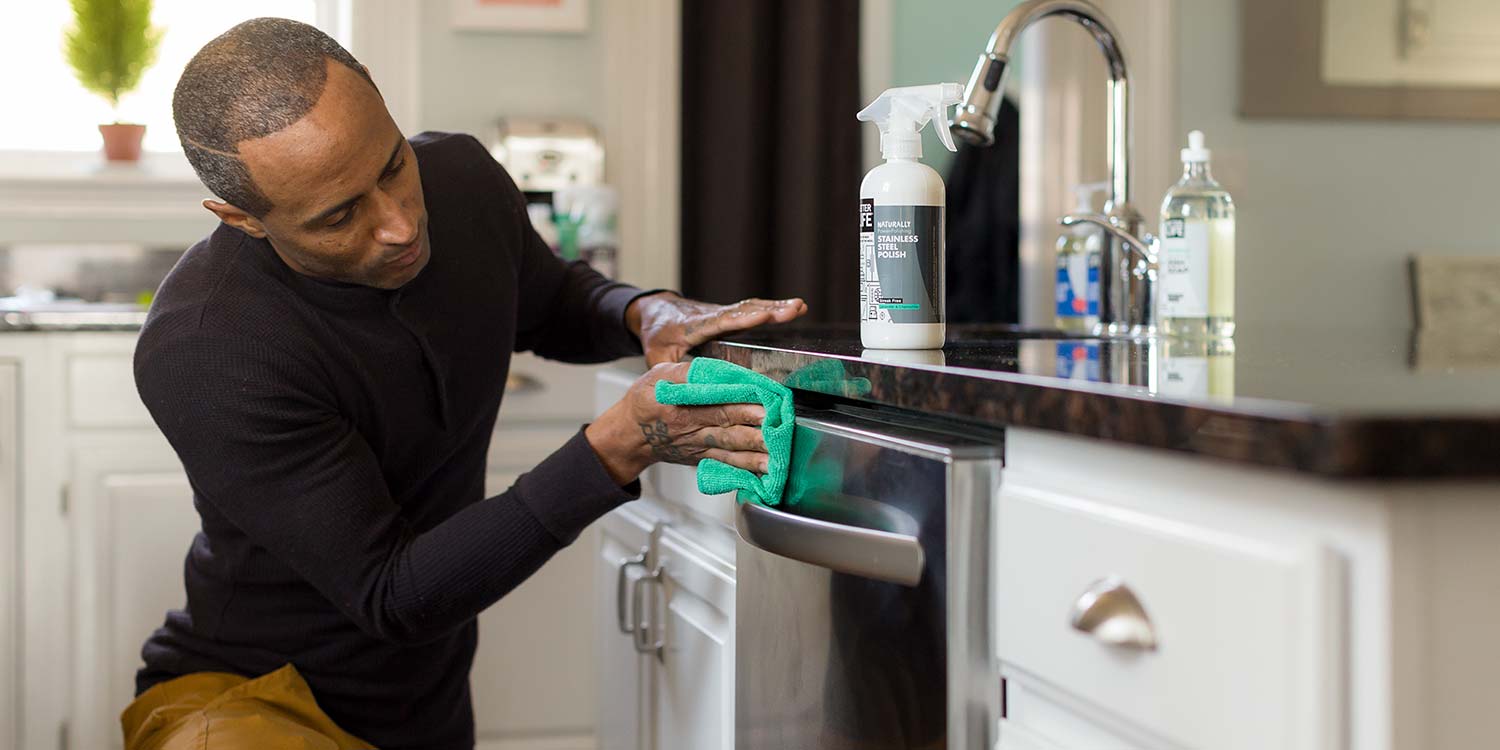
1196 297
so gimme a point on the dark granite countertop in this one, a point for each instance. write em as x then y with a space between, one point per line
1368 403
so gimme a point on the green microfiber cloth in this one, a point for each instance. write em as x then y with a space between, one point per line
714 381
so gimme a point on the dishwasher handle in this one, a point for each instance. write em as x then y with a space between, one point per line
872 553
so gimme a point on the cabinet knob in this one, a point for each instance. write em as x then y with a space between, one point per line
1110 612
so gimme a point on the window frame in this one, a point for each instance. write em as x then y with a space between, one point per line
76 196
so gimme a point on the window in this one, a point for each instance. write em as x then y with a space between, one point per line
48 110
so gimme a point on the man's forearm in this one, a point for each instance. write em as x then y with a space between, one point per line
620 445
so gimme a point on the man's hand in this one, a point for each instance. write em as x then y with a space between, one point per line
637 431
669 325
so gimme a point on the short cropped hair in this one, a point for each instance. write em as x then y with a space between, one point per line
249 82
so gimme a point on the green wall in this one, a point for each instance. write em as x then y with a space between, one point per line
936 41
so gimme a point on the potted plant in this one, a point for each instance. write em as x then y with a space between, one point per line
110 46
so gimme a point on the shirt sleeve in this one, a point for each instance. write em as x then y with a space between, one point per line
262 446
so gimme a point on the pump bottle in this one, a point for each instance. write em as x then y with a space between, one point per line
1196 298
1079 249
901 223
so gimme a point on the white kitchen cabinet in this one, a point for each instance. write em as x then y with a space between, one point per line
535 667
694 623
624 683
130 512
1289 611
670 686
665 635
10 559
106 519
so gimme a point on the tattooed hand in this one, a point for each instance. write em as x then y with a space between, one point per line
637 431
669 325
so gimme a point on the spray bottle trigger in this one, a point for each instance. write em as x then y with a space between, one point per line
944 127
948 95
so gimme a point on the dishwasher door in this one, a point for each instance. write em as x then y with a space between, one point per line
860 614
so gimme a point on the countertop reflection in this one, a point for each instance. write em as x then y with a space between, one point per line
1341 402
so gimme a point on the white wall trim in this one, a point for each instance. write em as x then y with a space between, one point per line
569 742
385 35
643 147
61 197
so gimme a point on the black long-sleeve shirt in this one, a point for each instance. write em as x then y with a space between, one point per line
335 439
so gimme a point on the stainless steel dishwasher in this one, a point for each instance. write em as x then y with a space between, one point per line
861 615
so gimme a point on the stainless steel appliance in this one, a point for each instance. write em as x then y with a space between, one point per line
861 618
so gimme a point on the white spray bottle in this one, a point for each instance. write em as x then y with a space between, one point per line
901 235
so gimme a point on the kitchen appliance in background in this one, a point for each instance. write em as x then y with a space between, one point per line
860 617
559 165
546 155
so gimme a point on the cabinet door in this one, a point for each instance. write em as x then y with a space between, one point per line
132 512
623 685
535 666
694 697
10 571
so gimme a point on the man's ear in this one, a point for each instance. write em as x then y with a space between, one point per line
236 217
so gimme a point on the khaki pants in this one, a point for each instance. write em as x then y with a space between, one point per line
218 711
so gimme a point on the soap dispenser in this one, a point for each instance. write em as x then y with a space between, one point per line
1196 297
1078 254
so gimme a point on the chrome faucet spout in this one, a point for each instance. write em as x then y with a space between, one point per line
975 124
1141 246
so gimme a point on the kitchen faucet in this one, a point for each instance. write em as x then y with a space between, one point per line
1126 289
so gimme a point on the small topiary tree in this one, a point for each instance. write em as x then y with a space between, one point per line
111 45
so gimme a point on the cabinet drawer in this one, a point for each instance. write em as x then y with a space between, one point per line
101 392
539 390
1247 631
678 484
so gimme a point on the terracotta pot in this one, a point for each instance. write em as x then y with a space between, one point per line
122 142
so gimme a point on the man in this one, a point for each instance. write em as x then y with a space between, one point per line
328 364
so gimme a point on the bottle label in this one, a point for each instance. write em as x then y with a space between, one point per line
1184 283
1078 285
900 263
869 283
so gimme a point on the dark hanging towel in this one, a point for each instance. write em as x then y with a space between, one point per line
771 152
984 220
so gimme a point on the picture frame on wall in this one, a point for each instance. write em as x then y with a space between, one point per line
552 16
1443 64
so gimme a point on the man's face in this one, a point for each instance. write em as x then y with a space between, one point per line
344 185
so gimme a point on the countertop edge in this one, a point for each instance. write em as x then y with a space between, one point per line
1328 445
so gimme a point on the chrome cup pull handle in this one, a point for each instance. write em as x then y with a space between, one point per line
646 641
622 576
1110 612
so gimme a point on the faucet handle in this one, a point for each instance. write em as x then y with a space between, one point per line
1144 247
